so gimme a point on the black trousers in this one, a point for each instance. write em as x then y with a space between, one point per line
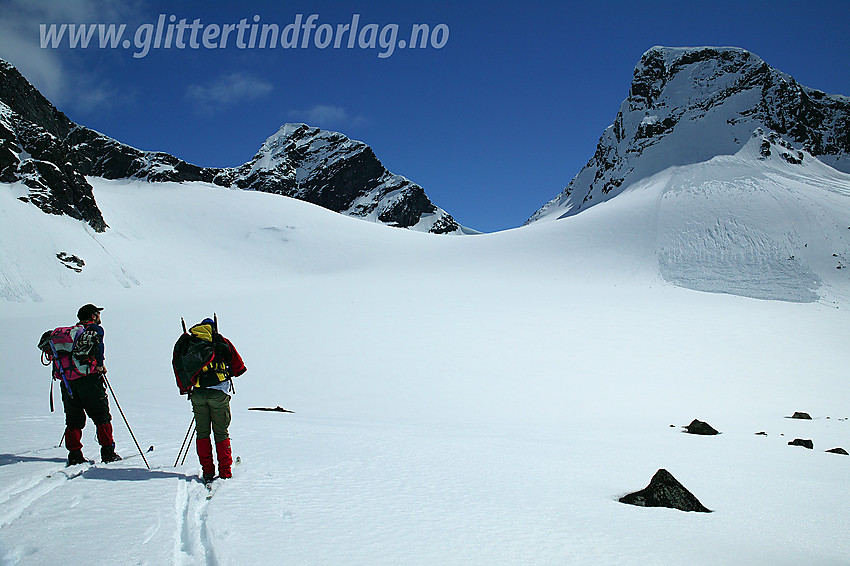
89 399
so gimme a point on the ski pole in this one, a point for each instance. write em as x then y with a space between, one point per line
61 440
185 438
125 420
187 447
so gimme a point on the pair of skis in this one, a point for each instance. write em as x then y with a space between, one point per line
76 470
212 484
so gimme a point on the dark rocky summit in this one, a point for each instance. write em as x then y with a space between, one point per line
841 451
665 491
52 155
802 416
687 105
805 443
700 427
333 171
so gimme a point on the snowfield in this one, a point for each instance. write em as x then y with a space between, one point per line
458 400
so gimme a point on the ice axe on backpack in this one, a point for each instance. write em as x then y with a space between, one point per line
62 373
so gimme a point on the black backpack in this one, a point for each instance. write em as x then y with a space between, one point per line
192 355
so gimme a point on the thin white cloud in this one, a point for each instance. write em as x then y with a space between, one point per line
41 67
49 69
327 116
228 90
98 97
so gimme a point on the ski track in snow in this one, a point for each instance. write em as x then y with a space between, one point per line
193 541
18 497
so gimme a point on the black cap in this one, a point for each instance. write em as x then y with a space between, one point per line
86 312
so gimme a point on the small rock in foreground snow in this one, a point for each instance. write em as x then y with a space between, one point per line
799 415
700 427
665 491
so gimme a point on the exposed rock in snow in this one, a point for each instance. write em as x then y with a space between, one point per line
804 442
701 428
799 415
665 491
71 261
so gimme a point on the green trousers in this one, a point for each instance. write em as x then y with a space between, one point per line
211 407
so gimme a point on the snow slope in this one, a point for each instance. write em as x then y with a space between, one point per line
458 400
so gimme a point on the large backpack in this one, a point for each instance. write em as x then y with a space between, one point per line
199 362
70 349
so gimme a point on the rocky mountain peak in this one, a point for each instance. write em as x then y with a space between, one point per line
687 105
331 170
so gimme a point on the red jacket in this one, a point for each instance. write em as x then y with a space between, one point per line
237 366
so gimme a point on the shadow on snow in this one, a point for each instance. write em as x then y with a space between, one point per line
133 474
7 459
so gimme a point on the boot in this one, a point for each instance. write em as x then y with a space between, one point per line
107 443
107 454
225 458
76 457
204 447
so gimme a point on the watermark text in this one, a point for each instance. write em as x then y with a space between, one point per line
169 32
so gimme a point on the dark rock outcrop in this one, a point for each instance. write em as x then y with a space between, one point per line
802 416
665 491
71 261
838 451
700 427
97 155
804 442
32 151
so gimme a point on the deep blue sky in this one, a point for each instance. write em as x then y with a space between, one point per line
492 125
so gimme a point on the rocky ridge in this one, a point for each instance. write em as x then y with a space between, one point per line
51 155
